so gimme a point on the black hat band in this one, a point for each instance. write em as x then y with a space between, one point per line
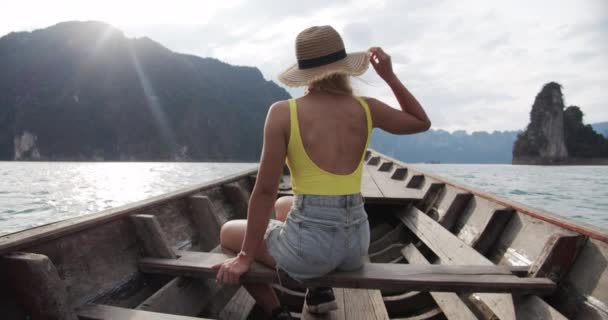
323 60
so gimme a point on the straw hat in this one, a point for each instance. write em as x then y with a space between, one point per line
320 52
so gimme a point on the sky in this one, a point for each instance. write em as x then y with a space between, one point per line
473 65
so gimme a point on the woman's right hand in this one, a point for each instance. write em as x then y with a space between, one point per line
381 62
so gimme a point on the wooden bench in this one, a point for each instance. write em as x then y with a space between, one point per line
462 278
104 312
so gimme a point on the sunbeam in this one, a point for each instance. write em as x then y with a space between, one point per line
153 102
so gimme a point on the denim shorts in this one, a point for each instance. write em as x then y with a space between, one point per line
321 234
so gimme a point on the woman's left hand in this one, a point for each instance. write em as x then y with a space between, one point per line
231 270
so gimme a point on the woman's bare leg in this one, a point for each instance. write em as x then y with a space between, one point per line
231 237
282 207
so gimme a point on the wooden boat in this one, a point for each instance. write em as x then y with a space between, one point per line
147 260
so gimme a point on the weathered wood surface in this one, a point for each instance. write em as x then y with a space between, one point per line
181 296
362 304
594 232
392 188
431 196
239 307
481 223
206 222
36 283
396 235
432 314
103 312
465 278
450 207
42 234
558 256
238 197
453 307
151 237
369 189
491 231
453 251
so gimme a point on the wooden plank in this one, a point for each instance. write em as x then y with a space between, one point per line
362 304
595 232
206 222
36 283
558 256
399 174
373 161
431 196
238 197
432 314
448 215
416 181
453 251
485 239
369 189
42 234
151 236
387 254
462 278
182 296
392 188
451 304
103 312
386 166
397 235
239 307
189 296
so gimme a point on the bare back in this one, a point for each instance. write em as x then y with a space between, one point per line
333 129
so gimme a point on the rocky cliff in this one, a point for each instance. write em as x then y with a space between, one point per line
555 136
84 91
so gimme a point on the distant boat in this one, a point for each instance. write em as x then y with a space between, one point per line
433 162
430 237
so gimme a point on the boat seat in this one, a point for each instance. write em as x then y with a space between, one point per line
460 278
104 312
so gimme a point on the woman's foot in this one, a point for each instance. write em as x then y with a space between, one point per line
320 300
281 313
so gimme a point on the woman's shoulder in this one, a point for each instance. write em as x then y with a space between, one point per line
279 111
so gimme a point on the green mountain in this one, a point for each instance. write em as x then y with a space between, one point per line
83 91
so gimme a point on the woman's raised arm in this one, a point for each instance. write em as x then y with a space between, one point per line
411 118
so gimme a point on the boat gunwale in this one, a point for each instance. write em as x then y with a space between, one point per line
21 239
594 232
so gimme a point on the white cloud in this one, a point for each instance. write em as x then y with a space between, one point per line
475 65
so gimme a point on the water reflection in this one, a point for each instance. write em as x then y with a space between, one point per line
36 193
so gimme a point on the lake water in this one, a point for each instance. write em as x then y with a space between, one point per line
37 193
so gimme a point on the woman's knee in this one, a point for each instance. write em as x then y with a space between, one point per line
232 233
282 207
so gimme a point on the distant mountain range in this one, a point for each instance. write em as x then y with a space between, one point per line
83 91
601 128
444 147
457 147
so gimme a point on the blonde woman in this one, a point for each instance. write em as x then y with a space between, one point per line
323 135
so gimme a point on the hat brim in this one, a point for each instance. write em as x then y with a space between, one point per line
354 64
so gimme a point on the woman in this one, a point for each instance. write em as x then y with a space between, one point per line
324 136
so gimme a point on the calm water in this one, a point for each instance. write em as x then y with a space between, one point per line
37 193
579 193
